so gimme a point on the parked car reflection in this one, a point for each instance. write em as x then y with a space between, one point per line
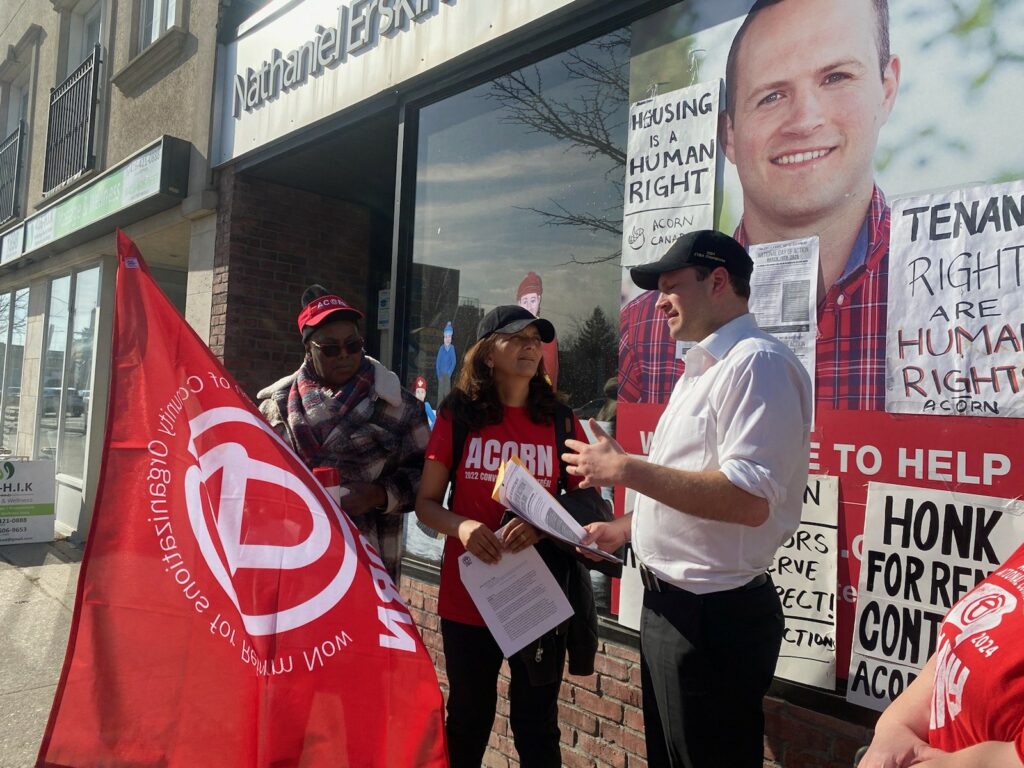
73 403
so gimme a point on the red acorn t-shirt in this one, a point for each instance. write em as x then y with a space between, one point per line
483 453
978 690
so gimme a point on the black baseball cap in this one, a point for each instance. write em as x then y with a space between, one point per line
511 318
703 248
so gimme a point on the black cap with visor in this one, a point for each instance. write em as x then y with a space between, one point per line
511 318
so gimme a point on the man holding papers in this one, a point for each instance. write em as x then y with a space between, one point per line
721 492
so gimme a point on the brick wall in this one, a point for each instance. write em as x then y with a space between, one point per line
601 718
273 242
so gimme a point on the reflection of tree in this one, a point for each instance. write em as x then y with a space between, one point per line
592 121
987 32
13 322
81 354
589 358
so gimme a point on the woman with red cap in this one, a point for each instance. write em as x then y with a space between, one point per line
344 409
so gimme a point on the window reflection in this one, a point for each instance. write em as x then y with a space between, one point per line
53 367
13 317
66 393
519 201
78 387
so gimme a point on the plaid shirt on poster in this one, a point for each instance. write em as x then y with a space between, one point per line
648 365
850 367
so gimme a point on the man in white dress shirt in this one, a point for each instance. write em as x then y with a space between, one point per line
722 490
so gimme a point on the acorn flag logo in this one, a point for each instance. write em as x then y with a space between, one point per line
228 612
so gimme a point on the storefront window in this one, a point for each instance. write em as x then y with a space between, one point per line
67 370
52 374
78 388
13 316
519 201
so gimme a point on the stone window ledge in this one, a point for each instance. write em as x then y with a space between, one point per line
156 57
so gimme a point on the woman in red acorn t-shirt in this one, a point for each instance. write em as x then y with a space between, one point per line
504 406
966 709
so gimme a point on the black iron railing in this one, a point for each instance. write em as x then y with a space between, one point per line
10 173
69 134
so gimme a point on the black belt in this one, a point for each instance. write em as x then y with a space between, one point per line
654 584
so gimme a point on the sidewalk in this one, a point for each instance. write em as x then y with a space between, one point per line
37 595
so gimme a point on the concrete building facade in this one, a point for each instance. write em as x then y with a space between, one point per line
106 117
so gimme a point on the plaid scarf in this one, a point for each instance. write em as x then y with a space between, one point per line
314 410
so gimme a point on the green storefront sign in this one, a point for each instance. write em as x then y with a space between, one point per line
152 181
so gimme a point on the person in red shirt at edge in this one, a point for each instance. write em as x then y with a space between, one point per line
507 406
966 709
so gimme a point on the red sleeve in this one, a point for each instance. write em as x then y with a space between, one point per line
440 446
1019 744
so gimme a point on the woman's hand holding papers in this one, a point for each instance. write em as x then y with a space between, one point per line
480 540
519 535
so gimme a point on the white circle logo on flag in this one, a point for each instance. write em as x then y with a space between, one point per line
218 515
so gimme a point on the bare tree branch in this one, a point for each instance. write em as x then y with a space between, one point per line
589 123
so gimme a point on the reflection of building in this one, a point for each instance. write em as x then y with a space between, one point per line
433 297
104 122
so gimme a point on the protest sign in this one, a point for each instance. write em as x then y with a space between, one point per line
804 572
955 343
670 170
923 549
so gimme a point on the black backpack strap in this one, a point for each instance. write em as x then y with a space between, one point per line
563 431
458 446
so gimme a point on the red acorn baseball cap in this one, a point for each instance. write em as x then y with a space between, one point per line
320 307
420 383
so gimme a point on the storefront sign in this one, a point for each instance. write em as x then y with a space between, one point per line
670 170
956 312
317 58
26 501
128 184
153 180
327 47
12 243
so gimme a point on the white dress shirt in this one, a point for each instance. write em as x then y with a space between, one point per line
743 406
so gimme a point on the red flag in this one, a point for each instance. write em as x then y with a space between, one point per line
228 614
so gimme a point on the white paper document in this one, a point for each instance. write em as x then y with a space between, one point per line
784 295
517 597
519 490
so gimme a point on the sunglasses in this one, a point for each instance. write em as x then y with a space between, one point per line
333 349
